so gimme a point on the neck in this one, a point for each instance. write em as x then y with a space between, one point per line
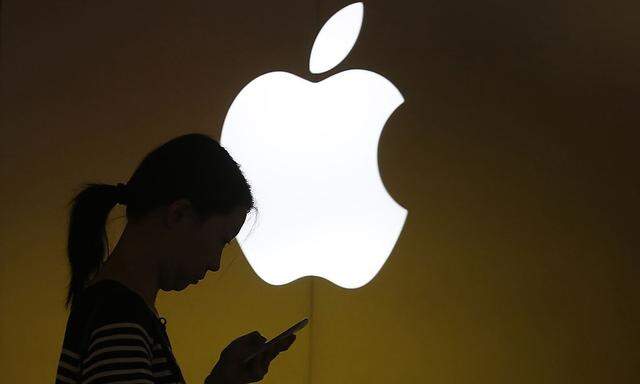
133 265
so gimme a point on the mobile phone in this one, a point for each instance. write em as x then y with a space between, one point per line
295 328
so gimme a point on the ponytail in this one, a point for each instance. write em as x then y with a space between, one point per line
87 239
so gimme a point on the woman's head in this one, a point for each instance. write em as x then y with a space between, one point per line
189 191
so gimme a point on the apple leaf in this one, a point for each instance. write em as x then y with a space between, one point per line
336 38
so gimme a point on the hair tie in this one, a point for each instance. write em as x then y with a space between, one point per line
121 192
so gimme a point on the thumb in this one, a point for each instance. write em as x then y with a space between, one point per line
253 338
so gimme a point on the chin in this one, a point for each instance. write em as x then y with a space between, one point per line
178 286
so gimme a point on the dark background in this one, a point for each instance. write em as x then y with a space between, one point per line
515 153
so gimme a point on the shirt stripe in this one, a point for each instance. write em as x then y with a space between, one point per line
123 344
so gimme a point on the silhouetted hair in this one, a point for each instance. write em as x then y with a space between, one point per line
193 166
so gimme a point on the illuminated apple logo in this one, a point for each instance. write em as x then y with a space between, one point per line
310 152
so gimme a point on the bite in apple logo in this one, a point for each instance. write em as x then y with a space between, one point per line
310 152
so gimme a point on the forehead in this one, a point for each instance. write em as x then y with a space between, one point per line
236 219
229 223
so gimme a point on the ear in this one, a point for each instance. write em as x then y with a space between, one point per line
179 212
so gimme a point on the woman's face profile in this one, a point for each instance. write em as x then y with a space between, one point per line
196 246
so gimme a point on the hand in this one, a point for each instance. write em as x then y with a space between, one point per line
230 370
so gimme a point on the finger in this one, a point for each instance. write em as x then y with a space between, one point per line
258 338
265 359
249 339
258 348
286 343
254 337
251 371
254 340
270 355
259 368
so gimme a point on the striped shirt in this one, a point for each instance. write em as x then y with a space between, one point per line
111 337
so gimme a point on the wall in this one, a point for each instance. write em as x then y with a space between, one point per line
515 153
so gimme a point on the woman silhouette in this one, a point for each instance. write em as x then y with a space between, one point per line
186 200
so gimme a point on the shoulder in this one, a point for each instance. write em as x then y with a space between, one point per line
110 309
111 334
113 300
